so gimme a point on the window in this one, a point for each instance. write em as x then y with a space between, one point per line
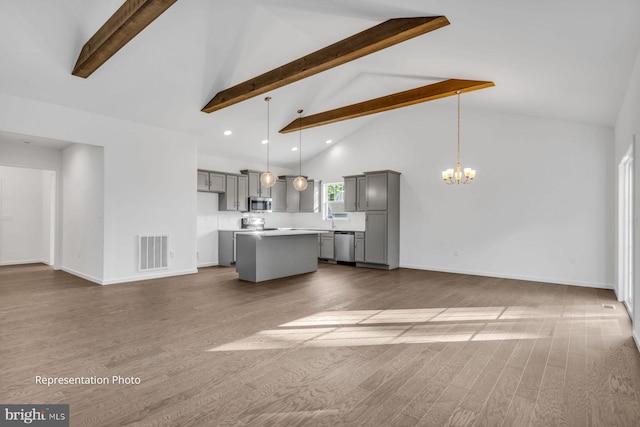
333 201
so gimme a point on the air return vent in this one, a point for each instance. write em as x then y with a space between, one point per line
154 251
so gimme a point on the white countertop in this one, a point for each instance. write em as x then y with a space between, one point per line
280 232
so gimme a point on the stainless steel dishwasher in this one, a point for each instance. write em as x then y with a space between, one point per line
344 246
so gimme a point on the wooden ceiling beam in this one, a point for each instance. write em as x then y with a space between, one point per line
397 100
129 20
376 38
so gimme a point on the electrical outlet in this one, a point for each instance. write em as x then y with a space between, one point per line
172 254
572 261
455 252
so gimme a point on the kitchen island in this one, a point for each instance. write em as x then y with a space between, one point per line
266 255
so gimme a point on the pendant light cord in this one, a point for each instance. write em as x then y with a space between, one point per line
268 98
300 141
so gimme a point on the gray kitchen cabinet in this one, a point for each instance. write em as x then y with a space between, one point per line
361 202
293 195
375 248
301 201
377 191
256 189
226 248
243 193
310 197
326 246
350 193
203 181
235 196
382 220
359 246
279 196
355 193
212 182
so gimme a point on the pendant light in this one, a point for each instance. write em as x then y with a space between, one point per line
268 179
451 177
300 183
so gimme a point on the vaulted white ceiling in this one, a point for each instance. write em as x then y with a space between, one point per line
568 60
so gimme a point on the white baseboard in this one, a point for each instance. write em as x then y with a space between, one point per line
82 275
158 275
24 261
636 339
513 276
207 264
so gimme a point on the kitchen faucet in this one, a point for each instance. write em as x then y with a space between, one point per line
333 224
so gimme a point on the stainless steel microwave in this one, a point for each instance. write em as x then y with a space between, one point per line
260 204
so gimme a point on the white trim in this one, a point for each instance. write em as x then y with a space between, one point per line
148 276
82 275
513 276
25 261
636 339
208 264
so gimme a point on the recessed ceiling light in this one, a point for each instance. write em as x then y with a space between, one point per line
329 141
294 149
265 141
227 132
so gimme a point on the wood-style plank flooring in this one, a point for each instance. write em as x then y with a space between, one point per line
341 347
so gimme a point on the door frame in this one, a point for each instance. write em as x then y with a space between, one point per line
626 228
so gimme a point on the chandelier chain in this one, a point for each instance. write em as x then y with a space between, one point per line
458 128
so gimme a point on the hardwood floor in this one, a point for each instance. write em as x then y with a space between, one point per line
341 347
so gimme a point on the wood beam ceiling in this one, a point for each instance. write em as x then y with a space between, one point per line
376 38
397 100
129 20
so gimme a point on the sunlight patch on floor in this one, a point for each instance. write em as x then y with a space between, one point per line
431 325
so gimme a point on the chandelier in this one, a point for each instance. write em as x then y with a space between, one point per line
451 177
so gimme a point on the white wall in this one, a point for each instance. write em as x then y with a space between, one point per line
22 236
149 180
628 125
540 208
48 216
82 211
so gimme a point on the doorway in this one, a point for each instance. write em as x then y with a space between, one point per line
626 228
27 216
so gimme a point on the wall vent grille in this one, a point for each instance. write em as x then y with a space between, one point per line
154 251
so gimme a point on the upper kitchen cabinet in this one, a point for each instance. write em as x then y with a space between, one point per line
279 196
235 197
310 197
377 187
213 182
302 201
293 195
256 189
350 193
361 201
355 193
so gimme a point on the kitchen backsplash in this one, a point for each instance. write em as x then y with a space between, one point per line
232 220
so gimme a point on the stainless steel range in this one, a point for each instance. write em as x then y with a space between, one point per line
252 223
